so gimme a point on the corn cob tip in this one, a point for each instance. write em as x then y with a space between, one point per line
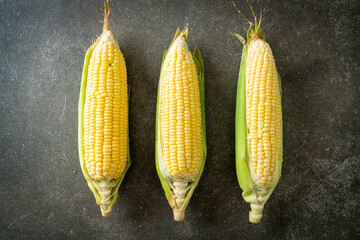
178 202
179 215
255 214
105 212
105 187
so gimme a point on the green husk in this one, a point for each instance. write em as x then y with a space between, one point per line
158 149
105 191
252 193
93 184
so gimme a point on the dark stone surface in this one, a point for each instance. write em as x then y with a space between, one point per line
43 193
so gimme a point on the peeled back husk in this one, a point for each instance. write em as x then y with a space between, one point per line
179 213
104 198
252 193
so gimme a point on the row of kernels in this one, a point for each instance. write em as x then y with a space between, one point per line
101 160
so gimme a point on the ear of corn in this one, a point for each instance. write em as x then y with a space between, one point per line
258 133
103 119
180 123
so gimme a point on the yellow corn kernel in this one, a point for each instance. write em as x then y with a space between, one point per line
181 137
263 113
106 112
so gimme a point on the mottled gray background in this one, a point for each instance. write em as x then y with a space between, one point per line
42 191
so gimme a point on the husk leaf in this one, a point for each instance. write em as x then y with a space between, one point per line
251 190
93 184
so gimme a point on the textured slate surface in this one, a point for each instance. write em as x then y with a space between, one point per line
43 194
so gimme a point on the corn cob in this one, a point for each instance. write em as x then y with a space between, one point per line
258 121
180 124
103 118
